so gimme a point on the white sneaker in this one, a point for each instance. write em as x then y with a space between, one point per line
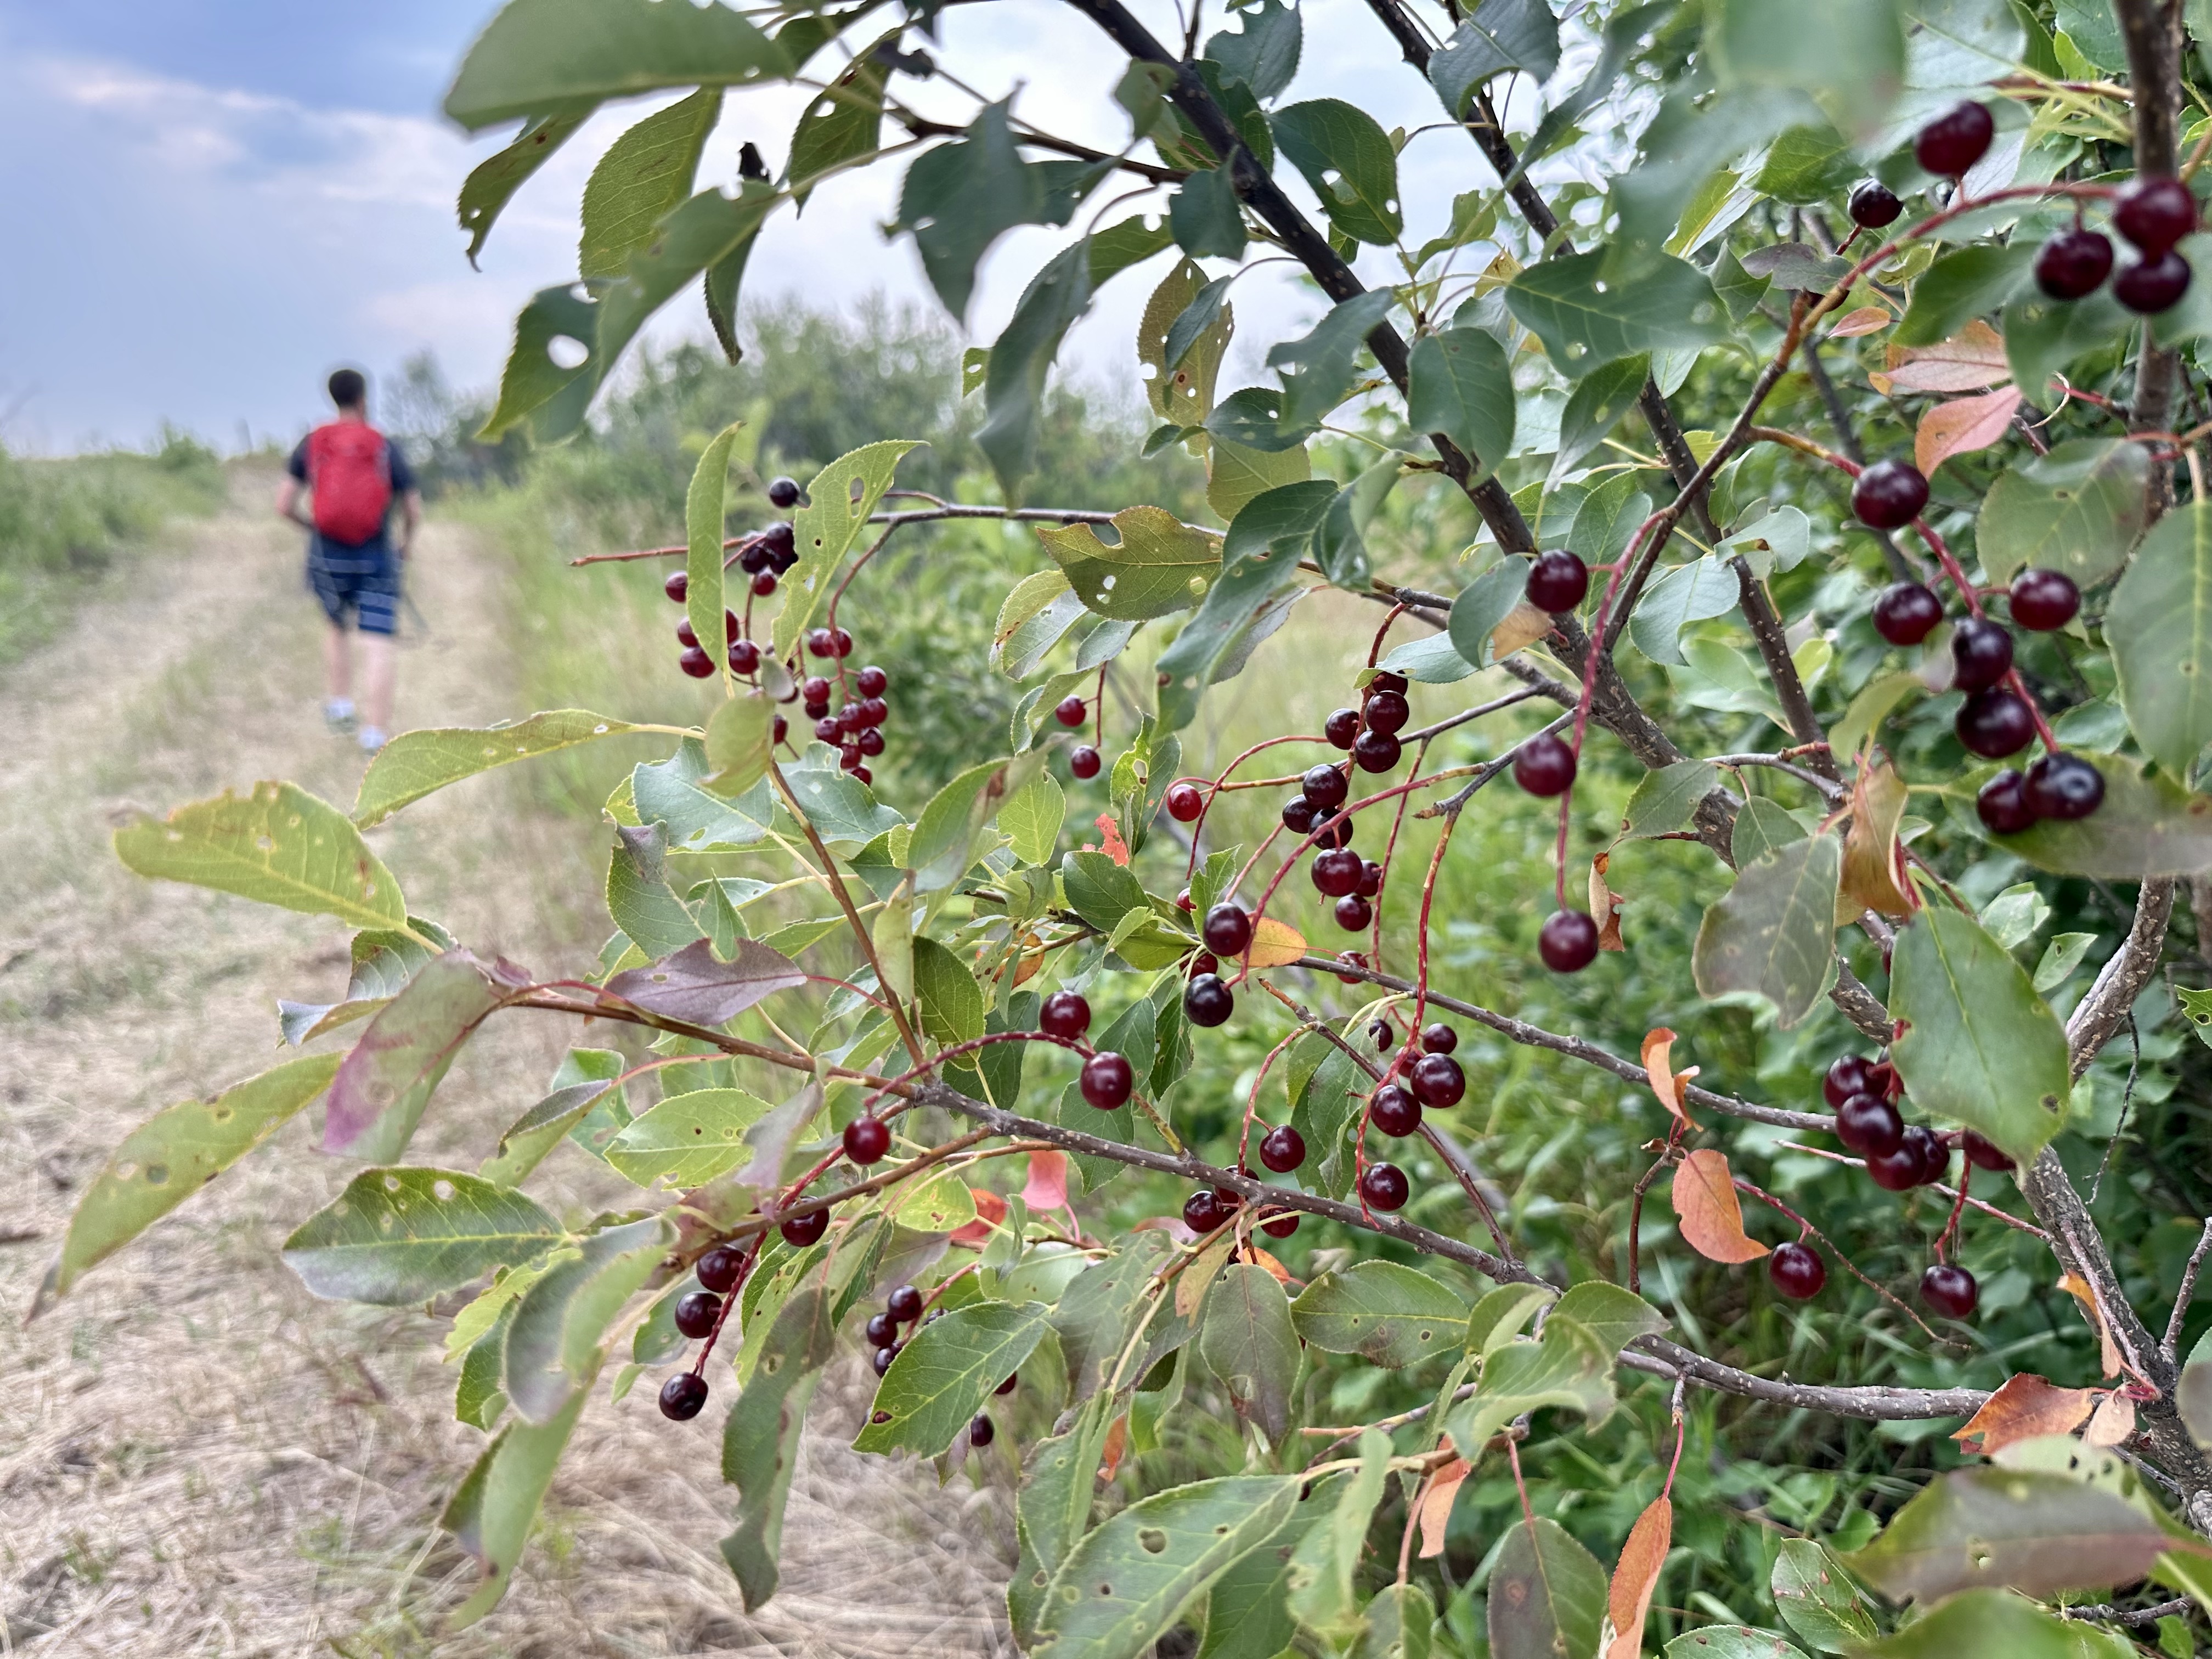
372 739
337 713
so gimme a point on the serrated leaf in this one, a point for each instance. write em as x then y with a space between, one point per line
642 177
1980 1046
839 500
1970 281
947 835
1614 1316
2038 1534
1569 1366
705 502
383 1086
945 1373
1346 157
1031 818
673 792
1389 1314
1773 934
1033 617
2159 625
1319 368
1817 1600
1021 359
843 125
278 846
1462 386
1181 339
537 390
1704 587
1503 35
843 810
1666 800
1246 1339
491 184
1732 1642
687 1140
1159 566
397 1236
1193 660
1546 1595
1264 55
960 198
639 896
694 985
1585 323
760 1441
2077 510
1236 476
1248 1612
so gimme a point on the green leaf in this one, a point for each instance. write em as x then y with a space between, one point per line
1731 1642
553 1346
1160 565
1961 43
1571 1366
1097 1315
740 742
1547 1594
1585 323
1963 284
1185 330
2039 1534
1035 615
1462 386
1689 592
1389 1314
279 845
1852 50
1773 935
1021 359
384 1085
672 793
1595 406
687 1140
2158 626
1873 704
960 198
1206 217
1503 35
171 1156
1401 1624
1318 369
838 502
644 176
1247 1341
416 764
2077 510
1324 1568
478 1401
760 1443
611 1115
1674 182
951 1002
2044 336
1253 419
536 390
843 125
1988 1624
1666 800
1761 827
2147 825
397 1236
843 810
1499 1317
1031 818
1196 657
946 836
491 1512
1981 1048
1122 1587
704 507
2060 958
640 900
1430 661
1805 165
492 183
1346 157
1053 1510
1482 604
1817 1599
1265 55
561 57
526 1141
1236 476
945 1374
1248 1613
1614 1316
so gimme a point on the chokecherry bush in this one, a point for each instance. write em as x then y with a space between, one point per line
1871 653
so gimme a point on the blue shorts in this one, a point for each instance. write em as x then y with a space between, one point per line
360 581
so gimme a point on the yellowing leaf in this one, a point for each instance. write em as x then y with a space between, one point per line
1712 1220
1436 1505
1961 427
2025 1406
2109 1351
2114 1422
1658 1068
1865 320
1873 858
1274 943
1636 1576
1605 906
1524 625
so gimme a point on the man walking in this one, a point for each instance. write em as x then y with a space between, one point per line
354 473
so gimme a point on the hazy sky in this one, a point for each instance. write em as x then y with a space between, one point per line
210 203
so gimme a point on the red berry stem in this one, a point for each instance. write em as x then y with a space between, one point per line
1252 1098
1951 1227
1383 633
1750 1190
838 593
1389 850
730 1301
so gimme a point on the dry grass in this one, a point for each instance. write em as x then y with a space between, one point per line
196 1457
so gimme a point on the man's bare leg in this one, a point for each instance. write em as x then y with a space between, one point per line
380 664
337 676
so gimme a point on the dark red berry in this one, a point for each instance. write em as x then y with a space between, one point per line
755 558
1558 581
804 1230
827 729
1384 1187
884 1356
1382 1034
1342 727
1394 1112
1889 494
1796 1271
1065 1015
1298 815
1070 711
2004 805
2153 284
1567 941
1994 723
763 583
882 1330
872 680
818 642
1438 1081
1107 1080
871 742
1084 762
2155 214
1895 1172
2042 601
840 643
1949 1290
1185 802
861 774
1370 880
683 1396
1981 653
1387 712
1870 1126
981 1433
683 634
2073 263
2064 786
850 757
696 1312
1927 1148
1385 681
815 689
1873 204
904 1304
867 1139
874 711
1281 1227
745 657
677 587
1376 751
783 492
1325 788
1202 1212
1282 1149
1203 962
1984 1154
1334 835
719 1268
1207 1001
1906 613
1336 872
1007 1387
696 663
1354 914
1846 1076
1438 1038
1544 765
1949 145
1228 929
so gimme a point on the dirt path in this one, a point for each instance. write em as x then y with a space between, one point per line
195 1456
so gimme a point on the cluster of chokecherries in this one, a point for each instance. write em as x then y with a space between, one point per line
901 1307
699 1315
1899 1155
1084 761
2154 215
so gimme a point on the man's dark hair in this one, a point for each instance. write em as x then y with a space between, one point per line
349 388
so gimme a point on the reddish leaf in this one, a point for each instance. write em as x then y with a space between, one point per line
1259 1257
990 1209
1873 858
1046 1189
1604 905
1974 357
1658 1069
1712 1220
1437 1504
1636 1576
2109 1351
1117 1443
694 985
2025 1406
1867 319
1962 427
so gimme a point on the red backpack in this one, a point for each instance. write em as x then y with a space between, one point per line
349 470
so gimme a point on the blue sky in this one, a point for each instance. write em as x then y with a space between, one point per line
213 201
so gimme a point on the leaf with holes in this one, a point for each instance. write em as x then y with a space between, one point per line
945 1374
1980 1046
2160 627
1324 1570
839 500
2077 510
1181 339
491 184
1247 1341
1319 369
1158 566
551 375
1705 1204
399 1235
1546 1595
1385 1312
1503 35
278 846
687 1140
561 57
1773 935
1586 323
1347 158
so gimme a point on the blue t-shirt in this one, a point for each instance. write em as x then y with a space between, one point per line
403 480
